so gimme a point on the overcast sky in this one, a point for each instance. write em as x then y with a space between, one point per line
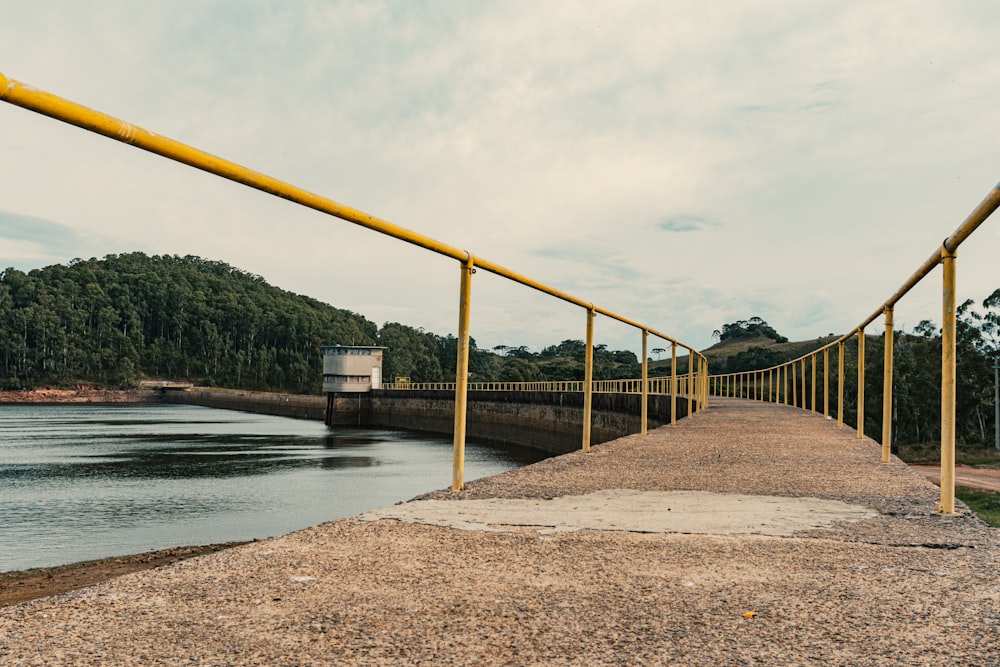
685 164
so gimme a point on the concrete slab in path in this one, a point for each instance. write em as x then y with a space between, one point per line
694 512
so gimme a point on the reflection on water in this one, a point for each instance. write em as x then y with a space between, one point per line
82 482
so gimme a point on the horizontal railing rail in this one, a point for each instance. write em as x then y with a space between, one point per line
50 105
795 382
659 385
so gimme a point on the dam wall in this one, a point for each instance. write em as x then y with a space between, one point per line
299 406
548 421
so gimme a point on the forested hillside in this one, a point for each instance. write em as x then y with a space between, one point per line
916 372
115 321
125 317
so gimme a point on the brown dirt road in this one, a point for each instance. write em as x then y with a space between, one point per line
981 479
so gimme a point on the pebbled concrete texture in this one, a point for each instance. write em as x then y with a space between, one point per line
690 512
871 574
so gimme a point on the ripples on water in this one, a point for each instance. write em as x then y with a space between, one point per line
85 482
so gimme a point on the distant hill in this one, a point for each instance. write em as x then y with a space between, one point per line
116 320
743 354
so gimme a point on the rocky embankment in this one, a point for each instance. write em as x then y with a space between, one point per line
82 395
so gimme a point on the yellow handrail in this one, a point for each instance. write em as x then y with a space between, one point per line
50 105
946 256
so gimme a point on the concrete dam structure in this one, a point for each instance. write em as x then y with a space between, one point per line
545 420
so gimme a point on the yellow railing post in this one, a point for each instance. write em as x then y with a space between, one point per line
795 393
948 340
840 383
462 377
673 382
813 406
826 382
702 371
645 383
690 382
861 383
704 393
803 406
887 388
588 380
784 386
700 384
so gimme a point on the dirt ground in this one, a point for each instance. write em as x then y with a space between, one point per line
27 585
79 395
980 479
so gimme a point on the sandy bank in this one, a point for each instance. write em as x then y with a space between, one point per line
81 396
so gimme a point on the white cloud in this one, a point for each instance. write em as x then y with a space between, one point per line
804 149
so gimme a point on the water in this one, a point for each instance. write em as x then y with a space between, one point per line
85 482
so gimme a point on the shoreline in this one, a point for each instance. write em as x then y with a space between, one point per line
19 586
80 395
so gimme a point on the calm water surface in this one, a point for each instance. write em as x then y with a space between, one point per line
85 482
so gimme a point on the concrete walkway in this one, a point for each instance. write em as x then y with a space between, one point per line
749 534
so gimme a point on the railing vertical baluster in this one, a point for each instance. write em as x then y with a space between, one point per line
826 382
645 380
803 406
861 383
588 379
704 391
887 388
795 382
784 386
840 383
813 406
673 382
462 377
948 340
688 385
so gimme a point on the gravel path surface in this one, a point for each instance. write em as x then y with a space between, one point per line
904 587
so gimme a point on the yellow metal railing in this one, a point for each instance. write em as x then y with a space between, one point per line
50 105
657 386
779 389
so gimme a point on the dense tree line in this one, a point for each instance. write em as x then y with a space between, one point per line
426 357
127 317
916 410
755 327
115 320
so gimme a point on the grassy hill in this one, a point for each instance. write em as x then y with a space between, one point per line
744 352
